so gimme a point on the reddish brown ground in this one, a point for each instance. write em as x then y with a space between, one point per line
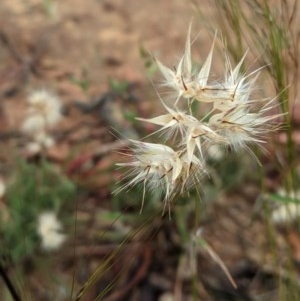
46 44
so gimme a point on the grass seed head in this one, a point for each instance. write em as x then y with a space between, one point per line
236 119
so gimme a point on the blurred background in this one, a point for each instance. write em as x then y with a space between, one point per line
64 235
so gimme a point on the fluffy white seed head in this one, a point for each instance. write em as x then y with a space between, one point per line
238 126
44 111
192 173
40 142
235 120
289 211
185 81
33 148
49 230
42 103
198 135
156 165
188 82
174 123
2 188
286 213
160 168
44 140
33 124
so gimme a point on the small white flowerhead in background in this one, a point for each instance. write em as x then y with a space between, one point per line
49 230
33 124
44 140
287 212
43 112
33 148
2 188
215 152
41 141
46 104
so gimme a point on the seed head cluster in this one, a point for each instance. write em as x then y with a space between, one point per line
236 119
43 112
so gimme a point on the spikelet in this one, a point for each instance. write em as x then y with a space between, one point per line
237 119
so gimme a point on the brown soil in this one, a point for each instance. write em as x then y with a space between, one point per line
49 44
